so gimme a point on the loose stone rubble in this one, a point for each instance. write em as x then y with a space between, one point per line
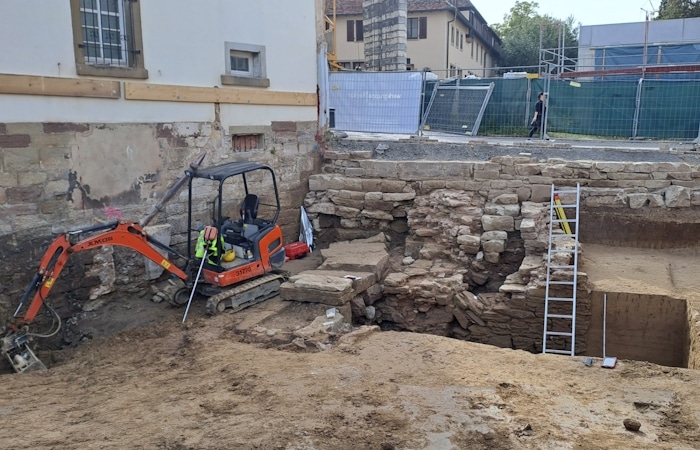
348 278
476 234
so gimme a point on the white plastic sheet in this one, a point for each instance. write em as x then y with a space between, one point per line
306 232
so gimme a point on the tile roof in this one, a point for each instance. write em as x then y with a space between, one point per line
354 7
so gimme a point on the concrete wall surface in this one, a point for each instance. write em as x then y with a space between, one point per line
660 32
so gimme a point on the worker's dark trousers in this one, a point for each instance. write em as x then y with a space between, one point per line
535 126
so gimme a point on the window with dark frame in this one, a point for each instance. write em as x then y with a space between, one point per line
359 31
355 31
417 28
412 28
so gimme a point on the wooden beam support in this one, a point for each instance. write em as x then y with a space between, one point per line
170 93
61 87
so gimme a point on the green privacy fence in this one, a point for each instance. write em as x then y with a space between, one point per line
654 109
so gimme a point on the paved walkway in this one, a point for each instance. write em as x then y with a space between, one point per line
404 147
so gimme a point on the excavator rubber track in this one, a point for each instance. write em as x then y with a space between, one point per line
247 294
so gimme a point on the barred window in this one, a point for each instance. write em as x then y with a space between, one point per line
107 35
104 35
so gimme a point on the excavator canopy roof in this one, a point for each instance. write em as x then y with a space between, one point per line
223 171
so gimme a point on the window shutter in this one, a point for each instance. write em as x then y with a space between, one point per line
359 32
351 30
423 28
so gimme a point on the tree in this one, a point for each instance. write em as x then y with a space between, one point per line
520 34
678 9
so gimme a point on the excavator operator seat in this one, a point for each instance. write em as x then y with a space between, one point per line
249 208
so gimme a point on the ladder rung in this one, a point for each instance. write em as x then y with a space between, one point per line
560 316
561 299
563 220
562 267
561 352
563 251
565 283
566 191
566 206
558 333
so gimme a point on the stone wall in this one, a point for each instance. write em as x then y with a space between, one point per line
61 176
476 233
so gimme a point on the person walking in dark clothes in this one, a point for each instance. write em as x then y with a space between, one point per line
540 111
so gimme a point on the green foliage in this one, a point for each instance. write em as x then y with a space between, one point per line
678 9
520 33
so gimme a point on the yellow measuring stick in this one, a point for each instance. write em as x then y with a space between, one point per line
561 215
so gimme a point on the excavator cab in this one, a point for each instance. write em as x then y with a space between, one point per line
244 210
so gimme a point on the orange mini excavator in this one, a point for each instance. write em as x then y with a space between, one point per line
243 262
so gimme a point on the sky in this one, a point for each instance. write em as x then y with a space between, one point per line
586 12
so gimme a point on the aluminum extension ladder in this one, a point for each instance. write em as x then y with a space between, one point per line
560 327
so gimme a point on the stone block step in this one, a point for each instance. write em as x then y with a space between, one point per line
361 281
288 291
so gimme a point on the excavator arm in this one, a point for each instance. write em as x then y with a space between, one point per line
125 234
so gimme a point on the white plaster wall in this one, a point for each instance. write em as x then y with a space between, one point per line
39 108
183 45
36 38
431 52
348 51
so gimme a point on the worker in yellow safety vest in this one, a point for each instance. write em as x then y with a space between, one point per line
212 251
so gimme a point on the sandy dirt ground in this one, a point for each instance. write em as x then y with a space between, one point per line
672 272
198 386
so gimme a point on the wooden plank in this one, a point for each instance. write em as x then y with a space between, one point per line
171 93
61 87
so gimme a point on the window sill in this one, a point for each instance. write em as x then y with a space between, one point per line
112 72
232 80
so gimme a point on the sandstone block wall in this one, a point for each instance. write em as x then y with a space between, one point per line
476 233
62 176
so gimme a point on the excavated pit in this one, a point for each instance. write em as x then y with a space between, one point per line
645 264
641 327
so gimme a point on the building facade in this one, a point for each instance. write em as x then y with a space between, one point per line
627 48
449 38
105 103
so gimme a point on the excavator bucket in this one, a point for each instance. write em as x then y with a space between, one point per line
16 349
